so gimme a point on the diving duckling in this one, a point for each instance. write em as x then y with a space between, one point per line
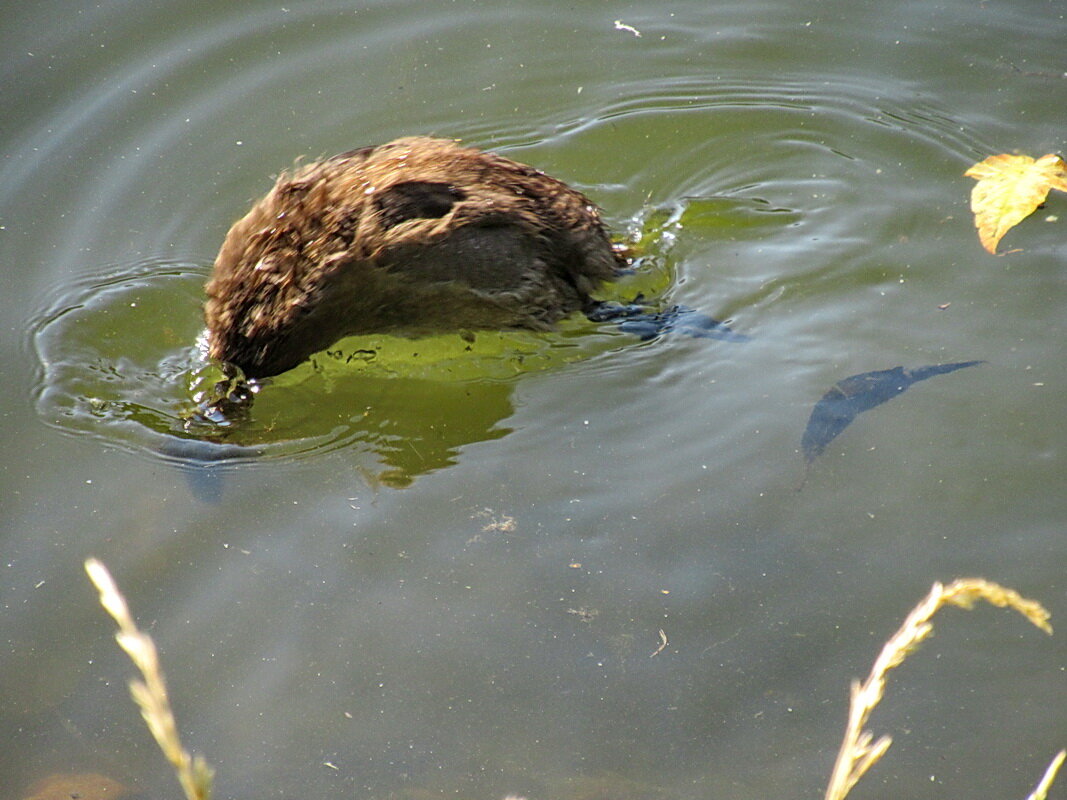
413 237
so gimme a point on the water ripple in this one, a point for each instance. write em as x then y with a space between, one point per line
786 163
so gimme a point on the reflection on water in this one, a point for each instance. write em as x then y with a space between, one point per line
117 364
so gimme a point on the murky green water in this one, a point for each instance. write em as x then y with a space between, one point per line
442 571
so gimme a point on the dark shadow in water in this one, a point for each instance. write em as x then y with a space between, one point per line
202 464
858 393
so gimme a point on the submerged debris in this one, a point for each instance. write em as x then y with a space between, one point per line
859 393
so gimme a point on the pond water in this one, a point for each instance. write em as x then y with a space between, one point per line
432 568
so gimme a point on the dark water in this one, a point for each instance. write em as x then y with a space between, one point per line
433 569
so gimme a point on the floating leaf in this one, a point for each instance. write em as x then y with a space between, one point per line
1009 188
859 393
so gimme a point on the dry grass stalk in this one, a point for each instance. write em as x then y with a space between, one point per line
194 774
1041 790
857 754
859 751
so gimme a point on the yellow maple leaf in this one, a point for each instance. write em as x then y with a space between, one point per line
1009 188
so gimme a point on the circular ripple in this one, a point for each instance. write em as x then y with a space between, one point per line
119 362
777 171
117 354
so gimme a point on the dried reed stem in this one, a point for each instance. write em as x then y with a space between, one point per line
194 774
859 750
1041 790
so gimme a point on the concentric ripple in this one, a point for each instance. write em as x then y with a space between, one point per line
718 218
119 361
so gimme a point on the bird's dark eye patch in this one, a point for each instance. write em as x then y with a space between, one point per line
416 200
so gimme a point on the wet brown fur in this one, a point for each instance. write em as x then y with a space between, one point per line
412 237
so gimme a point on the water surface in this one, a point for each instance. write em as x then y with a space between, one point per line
443 571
